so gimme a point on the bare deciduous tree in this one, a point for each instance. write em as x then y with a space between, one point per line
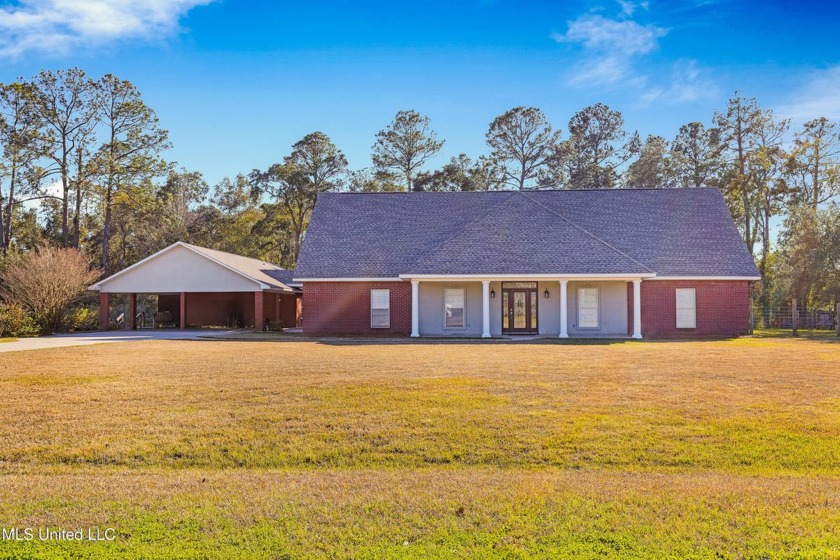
46 283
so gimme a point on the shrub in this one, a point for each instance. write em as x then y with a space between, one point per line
16 321
274 326
83 319
47 283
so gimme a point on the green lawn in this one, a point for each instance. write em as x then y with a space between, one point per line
803 333
297 449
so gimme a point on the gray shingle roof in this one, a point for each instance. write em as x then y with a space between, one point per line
670 232
284 276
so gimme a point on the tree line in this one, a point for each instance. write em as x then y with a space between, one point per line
83 166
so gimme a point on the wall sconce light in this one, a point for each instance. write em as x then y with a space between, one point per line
492 294
545 294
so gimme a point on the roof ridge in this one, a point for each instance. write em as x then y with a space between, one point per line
586 231
461 229
235 255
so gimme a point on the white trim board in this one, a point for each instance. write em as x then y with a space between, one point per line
301 280
514 277
546 277
741 278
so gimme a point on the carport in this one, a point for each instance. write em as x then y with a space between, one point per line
200 287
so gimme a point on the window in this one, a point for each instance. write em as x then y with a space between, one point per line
453 307
380 309
588 308
686 308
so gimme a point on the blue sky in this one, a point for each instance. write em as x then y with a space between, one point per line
236 82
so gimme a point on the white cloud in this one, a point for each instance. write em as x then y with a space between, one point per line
818 97
58 26
615 55
596 32
613 46
606 71
688 84
628 7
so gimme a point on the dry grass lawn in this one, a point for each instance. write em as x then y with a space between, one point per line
298 449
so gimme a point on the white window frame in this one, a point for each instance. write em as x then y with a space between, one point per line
387 292
597 290
686 320
464 307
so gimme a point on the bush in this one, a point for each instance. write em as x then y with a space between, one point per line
47 283
83 319
274 326
16 321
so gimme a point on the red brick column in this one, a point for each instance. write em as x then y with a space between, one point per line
104 308
132 311
183 310
259 311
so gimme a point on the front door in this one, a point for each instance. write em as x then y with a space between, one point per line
519 308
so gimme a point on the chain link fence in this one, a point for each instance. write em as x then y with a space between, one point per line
782 318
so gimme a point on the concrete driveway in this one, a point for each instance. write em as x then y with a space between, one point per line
84 339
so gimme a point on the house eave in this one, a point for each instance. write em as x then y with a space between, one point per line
358 279
513 277
733 278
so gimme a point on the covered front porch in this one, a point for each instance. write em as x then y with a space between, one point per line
562 306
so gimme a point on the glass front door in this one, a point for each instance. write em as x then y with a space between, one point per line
519 307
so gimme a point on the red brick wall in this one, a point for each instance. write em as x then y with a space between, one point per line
334 308
216 309
206 309
289 308
723 308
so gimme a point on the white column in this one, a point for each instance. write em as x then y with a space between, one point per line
637 309
485 309
564 309
415 308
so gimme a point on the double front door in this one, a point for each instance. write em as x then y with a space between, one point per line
519 308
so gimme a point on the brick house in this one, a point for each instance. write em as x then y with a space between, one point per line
665 263
200 287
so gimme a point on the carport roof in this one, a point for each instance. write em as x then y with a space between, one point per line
267 275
